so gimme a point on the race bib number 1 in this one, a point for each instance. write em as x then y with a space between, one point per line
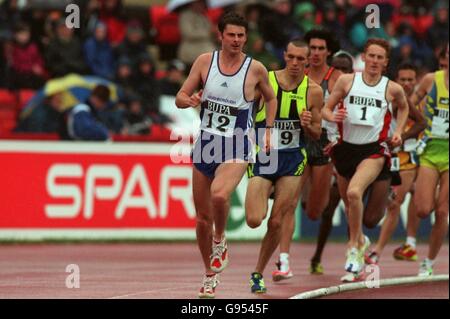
362 115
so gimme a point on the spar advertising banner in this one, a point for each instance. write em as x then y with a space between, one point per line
64 190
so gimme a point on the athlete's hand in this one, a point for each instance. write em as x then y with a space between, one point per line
396 140
327 149
195 99
306 118
340 115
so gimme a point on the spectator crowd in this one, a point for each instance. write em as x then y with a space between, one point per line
118 45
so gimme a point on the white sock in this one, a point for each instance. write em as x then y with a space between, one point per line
430 262
411 241
284 260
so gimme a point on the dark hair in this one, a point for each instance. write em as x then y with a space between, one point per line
298 43
21 26
232 18
406 66
332 43
102 92
380 42
344 55
443 52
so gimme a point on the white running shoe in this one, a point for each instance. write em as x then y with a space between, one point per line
219 257
425 269
208 289
355 260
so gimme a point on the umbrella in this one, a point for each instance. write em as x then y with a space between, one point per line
74 88
222 3
172 5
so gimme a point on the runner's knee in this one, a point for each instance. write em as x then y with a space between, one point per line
253 221
219 198
354 195
372 221
441 215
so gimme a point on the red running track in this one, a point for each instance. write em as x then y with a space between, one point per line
173 270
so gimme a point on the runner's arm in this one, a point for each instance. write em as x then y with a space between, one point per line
399 99
312 119
338 93
185 97
420 123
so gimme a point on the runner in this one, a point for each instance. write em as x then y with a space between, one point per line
300 101
433 168
404 163
229 79
319 171
362 155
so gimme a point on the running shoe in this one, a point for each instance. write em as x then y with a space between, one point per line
219 257
355 260
405 252
371 258
279 275
208 289
315 268
365 247
257 285
425 269
351 277
355 257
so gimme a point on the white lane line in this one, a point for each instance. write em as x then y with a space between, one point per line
365 285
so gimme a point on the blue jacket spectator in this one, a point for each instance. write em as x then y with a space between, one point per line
99 54
43 117
81 122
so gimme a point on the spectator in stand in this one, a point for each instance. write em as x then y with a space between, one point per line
99 54
278 27
9 16
125 77
133 44
64 54
304 15
136 121
90 18
42 118
196 33
82 122
111 13
438 33
26 65
171 83
255 47
147 86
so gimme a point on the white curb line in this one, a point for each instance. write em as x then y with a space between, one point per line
365 285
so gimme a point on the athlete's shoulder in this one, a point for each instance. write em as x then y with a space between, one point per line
346 78
336 74
204 57
314 86
258 66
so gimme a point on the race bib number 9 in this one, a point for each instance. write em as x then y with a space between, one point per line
288 134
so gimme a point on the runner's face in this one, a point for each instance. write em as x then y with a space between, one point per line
318 52
407 79
295 58
375 59
233 38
